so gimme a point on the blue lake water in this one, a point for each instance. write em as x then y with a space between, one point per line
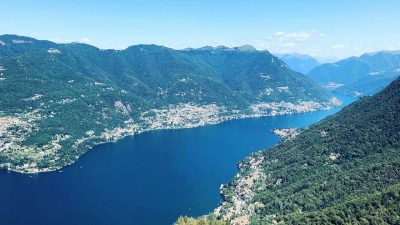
146 179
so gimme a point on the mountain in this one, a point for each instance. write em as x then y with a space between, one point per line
344 169
364 75
58 100
255 74
299 62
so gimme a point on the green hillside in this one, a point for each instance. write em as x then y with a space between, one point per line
58 100
342 170
256 75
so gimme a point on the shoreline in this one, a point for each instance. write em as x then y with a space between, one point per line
135 129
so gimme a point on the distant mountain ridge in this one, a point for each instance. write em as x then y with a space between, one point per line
225 48
299 62
58 100
364 75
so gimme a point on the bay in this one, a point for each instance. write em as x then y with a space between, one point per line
151 178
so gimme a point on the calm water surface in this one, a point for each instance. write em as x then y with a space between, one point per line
146 179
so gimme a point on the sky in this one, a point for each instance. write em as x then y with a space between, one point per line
325 29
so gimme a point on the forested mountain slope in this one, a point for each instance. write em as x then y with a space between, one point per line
364 75
342 170
58 100
256 75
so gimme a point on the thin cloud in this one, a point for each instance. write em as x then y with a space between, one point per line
289 44
298 35
279 33
338 46
283 41
86 40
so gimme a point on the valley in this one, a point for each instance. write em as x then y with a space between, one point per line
199 112
74 96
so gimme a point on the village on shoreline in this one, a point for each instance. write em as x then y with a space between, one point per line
178 116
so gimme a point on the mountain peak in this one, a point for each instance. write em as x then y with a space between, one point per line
210 48
246 48
15 39
397 52
243 48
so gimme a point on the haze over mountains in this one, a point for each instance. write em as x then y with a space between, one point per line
299 62
364 75
57 100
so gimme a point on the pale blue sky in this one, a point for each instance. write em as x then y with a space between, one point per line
323 28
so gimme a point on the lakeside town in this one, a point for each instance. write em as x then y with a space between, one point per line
14 130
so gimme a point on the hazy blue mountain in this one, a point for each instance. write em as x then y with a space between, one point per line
364 75
299 62
57 100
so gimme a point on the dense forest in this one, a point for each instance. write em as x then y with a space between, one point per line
342 170
57 100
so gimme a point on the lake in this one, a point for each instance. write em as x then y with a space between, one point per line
151 178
